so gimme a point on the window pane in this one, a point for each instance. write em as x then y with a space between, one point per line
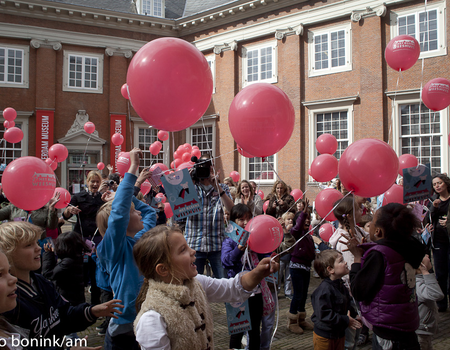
335 123
259 170
146 137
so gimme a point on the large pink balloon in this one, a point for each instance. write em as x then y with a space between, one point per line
145 187
326 231
162 166
297 194
167 70
436 94
123 163
261 119
244 153
266 234
235 176
325 202
265 205
89 127
402 52
124 91
52 163
163 135
13 135
368 167
260 194
326 144
155 147
196 153
393 195
9 114
186 157
324 168
406 161
59 152
117 139
64 198
28 183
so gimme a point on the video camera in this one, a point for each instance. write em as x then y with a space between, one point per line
201 168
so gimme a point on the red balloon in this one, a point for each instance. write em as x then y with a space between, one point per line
37 183
117 139
59 152
176 163
196 153
162 196
162 166
265 205
163 135
436 94
326 144
168 210
176 155
8 124
325 202
145 187
89 127
186 165
406 161
13 135
9 114
368 167
235 176
402 52
124 91
266 234
155 147
101 166
167 70
324 168
297 194
123 163
186 157
187 147
52 163
64 198
261 119
394 195
260 194
326 231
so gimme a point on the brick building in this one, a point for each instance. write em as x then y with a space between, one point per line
327 56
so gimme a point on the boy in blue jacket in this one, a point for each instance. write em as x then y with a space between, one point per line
121 223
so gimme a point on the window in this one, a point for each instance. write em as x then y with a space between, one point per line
212 64
83 72
330 51
262 171
146 137
151 7
428 27
10 151
14 67
260 63
203 135
336 124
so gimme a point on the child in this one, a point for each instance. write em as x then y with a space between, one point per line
331 302
383 277
287 222
428 292
120 223
173 302
40 308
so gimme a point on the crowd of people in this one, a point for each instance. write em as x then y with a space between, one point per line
152 278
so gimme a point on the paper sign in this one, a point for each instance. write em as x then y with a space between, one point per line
273 278
238 317
181 194
237 233
155 179
416 183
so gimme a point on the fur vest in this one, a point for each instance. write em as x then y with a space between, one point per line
186 312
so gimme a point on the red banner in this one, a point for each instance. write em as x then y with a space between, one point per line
118 124
44 132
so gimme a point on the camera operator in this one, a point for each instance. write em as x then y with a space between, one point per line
205 231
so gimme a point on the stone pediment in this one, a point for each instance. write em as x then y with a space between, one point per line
81 137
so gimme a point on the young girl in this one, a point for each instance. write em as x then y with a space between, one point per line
287 222
173 302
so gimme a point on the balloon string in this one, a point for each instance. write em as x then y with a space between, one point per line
303 195
393 106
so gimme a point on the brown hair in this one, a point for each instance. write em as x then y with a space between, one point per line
283 186
344 207
323 260
238 191
93 173
18 232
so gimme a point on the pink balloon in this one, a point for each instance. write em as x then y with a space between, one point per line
235 176
187 147
176 155
196 153
326 231
195 147
261 119
162 196
124 91
261 194
394 195
265 205
123 163
100 166
37 183
326 144
176 163
155 147
186 157
186 165
145 187
174 63
297 194
162 166
13 135
436 94
9 114
59 152
64 198
168 210
368 167
8 124
117 139
244 153
163 135
324 167
89 127
402 52
325 202
406 161
52 163
266 234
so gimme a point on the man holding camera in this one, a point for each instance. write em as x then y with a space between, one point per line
205 231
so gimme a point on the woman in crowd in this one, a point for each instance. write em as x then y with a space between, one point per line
280 201
246 195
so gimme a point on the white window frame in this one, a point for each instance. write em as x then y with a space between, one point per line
245 169
140 8
25 66
245 49
442 27
211 59
100 60
312 71
413 98
205 121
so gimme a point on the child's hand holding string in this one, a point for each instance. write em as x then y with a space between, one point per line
107 309
265 268
352 245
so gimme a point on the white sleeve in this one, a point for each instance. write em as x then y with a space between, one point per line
224 289
151 332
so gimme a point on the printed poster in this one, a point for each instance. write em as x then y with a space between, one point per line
236 233
416 183
238 317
